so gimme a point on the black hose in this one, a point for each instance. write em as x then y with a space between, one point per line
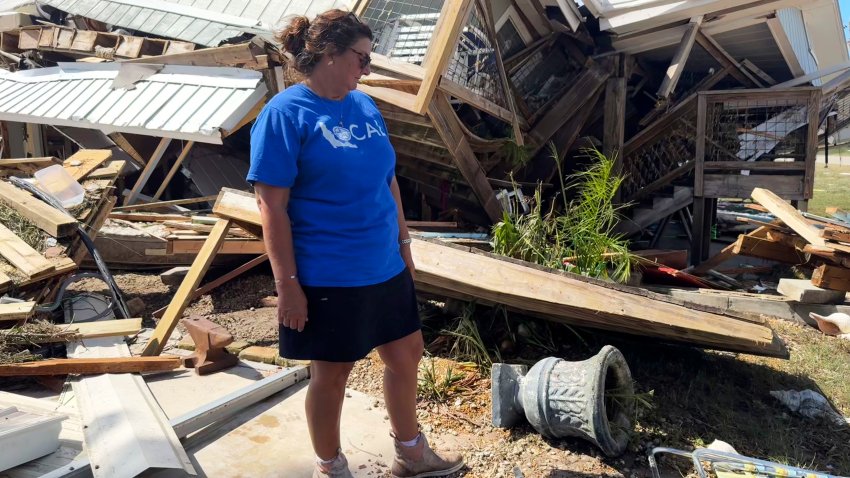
98 260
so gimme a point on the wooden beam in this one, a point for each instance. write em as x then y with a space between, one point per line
465 95
149 169
767 249
21 255
767 79
96 366
614 121
560 113
790 216
240 206
229 246
241 56
784 45
183 295
223 279
725 59
162 204
506 84
105 328
176 167
16 311
572 299
84 161
680 59
448 126
121 141
832 277
49 219
441 48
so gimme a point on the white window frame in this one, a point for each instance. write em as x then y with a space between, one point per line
511 15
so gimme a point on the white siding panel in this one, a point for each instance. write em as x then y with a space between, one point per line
170 108
151 91
124 103
94 101
199 118
154 105
191 105
92 86
65 99
795 28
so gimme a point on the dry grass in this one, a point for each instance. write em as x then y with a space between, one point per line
16 343
22 227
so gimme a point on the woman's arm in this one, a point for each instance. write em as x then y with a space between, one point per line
403 233
277 237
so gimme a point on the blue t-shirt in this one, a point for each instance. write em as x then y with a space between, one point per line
336 158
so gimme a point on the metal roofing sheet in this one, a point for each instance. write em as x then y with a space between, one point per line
198 21
181 102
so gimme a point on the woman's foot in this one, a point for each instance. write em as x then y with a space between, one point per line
338 468
420 461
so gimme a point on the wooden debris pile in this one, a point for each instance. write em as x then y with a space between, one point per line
819 244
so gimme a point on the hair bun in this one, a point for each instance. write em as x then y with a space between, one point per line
294 36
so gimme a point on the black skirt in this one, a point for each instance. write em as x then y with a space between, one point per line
345 323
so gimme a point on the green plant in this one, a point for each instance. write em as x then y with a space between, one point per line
517 155
467 344
431 385
581 237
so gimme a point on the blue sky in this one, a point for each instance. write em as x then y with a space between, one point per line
845 14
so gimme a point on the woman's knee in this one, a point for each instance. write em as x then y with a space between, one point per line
403 354
330 374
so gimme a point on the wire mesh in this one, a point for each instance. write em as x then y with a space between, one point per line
402 28
765 129
541 78
473 64
658 158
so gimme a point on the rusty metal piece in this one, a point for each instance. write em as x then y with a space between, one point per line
210 342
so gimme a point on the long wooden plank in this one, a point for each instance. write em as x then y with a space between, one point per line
569 299
183 296
176 167
677 64
790 216
441 48
149 169
47 218
21 255
726 60
84 366
766 249
241 206
16 311
162 204
229 246
84 161
106 328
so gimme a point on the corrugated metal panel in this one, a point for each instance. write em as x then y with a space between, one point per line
198 21
795 28
181 102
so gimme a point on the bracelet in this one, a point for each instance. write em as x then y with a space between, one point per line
405 241
292 277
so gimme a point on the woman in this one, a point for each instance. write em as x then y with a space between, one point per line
323 171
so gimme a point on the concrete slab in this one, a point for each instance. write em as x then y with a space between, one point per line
805 292
271 439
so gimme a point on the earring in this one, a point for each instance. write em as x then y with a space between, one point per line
331 62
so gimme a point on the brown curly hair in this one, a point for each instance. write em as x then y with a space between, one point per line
332 32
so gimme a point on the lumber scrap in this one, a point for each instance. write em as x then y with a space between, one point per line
21 255
16 311
49 219
126 430
27 166
106 328
84 366
677 64
767 249
835 234
84 161
790 216
832 277
182 297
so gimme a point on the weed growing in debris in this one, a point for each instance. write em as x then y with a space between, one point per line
581 238
22 227
434 386
467 344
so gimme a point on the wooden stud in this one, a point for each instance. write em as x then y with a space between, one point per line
105 328
832 277
46 217
614 119
814 108
784 45
148 171
174 169
121 141
725 59
490 22
16 311
448 126
85 366
767 249
21 255
767 79
680 59
441 48
182 297
790 216
702 109
162 204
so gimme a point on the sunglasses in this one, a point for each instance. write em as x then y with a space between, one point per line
365 58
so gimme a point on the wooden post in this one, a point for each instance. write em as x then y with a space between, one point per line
184 293
35 140
785 48
448 127
812 142
615 121
174 169
149 168
442 45
699 168
677 64
506 84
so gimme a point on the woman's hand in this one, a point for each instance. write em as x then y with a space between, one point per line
292 306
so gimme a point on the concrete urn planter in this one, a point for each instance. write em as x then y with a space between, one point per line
561 399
